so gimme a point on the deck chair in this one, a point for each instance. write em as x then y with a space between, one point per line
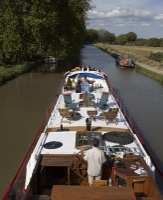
100 182
68 101
67 116
110 115
103 100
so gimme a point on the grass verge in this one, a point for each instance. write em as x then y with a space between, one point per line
10 72
138 54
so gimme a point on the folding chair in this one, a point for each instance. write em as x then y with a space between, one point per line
68 101
103 101
110 115
67 116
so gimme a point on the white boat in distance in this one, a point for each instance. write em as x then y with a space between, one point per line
50 60
52 167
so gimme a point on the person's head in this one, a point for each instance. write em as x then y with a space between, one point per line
95 142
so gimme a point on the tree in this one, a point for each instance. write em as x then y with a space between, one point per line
13 37
91 36
121 39
154 42
131 37
140 42
28 26
105 36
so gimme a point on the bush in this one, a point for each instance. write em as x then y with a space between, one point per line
158 57
9 72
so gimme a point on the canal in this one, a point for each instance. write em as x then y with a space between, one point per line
24 102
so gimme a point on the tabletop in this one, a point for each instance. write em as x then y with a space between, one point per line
64 192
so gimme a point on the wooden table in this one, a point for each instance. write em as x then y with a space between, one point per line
64 192
83 104
140 183
92 114
89 95
58 160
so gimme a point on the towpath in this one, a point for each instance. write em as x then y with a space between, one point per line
153 69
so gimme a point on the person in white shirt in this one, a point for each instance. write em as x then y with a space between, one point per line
95 159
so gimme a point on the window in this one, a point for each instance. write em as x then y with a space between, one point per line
84 139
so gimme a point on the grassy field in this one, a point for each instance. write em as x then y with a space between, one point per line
138 53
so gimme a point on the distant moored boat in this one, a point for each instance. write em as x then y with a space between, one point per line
50 59
125 61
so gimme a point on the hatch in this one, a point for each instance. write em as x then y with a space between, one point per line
122 138
53 145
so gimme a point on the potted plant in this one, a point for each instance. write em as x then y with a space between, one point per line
69 83
86 98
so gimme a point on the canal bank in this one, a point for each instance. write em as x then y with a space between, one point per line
10 72
146 69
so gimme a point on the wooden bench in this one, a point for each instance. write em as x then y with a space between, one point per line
62 192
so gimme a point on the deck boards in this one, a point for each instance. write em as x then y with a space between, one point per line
93 128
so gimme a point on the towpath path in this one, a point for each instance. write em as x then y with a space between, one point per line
153 69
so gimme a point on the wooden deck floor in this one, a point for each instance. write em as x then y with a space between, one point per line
82 128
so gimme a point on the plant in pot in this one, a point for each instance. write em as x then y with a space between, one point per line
69 83
86 98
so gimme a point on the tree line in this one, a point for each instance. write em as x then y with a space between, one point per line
29 28
32 27
94 36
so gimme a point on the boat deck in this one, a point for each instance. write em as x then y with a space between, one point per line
80 120
54 169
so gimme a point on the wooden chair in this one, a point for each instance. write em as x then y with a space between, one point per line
100 183
67 116
110 115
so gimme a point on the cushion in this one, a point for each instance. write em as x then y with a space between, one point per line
68 94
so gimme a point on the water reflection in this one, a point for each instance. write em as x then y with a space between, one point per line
50 67
46 68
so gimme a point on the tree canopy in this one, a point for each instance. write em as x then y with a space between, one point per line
31 26
102 35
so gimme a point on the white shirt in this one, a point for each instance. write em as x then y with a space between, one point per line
95 159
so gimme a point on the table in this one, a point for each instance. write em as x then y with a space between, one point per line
138 181
89 95
58 160
85 104
92 114
64 192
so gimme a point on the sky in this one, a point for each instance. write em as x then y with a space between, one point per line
143 17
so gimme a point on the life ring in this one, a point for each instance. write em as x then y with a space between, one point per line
85 68
77 69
